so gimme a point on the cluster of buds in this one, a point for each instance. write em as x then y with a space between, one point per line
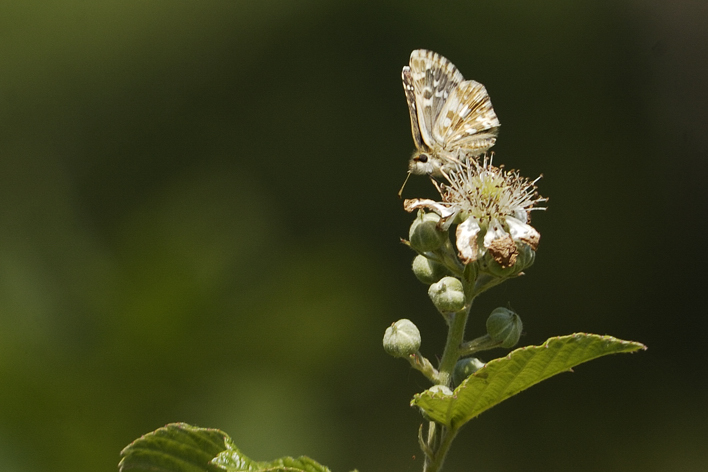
477 236
489 209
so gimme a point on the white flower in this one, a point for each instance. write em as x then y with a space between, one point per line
492 207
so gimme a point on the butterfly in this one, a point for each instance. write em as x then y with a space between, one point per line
452 119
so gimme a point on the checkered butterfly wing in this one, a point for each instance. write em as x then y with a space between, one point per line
447 111
467 120
428 81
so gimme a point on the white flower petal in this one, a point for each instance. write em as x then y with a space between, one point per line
442 209
523 232
521 214
494 231
466 240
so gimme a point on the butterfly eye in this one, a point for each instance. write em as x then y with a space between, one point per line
422 158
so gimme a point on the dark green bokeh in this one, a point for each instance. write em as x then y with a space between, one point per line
199 222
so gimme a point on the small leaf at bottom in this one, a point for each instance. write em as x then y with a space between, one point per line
177 447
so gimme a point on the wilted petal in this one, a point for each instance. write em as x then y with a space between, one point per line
500 245
442 209
446 211
466 239
523 232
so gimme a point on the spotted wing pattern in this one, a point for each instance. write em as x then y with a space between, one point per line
467 120
409 89
450 116
434 78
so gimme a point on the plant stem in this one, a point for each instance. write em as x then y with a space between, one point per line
451 354
482 343
423 365
435 463
437 447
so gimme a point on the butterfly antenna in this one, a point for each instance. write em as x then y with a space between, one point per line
400 192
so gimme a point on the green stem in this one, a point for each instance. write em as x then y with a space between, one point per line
451 354
436 448
483 343
485 282
435 463
420 363
446 256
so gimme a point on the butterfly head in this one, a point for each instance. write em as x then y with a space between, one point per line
424 163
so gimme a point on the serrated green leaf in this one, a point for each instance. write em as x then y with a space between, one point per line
502 378
177 447
232 460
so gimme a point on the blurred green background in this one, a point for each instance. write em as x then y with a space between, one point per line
199 222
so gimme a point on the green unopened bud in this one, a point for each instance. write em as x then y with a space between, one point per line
526 256
504 326
424 234
447 295
464 368
401 339
428 271
492 267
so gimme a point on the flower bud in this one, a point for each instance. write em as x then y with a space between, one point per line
428 271
464 368
471 272
447 295
401 339
492 267
504 326
424 234
526 256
